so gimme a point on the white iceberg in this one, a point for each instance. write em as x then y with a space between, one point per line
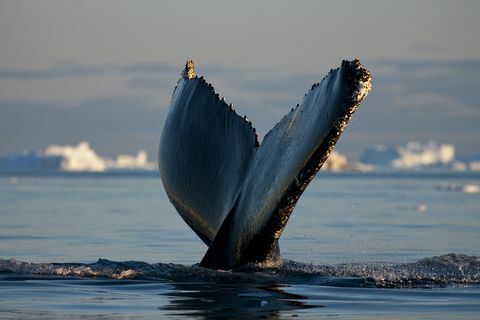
79 158
411 156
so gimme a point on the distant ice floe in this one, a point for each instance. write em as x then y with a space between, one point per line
469 165
411 156
466 188
83 158
338 162
76 158
79 158
421 207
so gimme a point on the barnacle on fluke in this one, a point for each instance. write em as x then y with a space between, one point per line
235 193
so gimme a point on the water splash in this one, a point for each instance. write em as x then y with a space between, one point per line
435 271
450 269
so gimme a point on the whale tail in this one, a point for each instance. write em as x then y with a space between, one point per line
235 194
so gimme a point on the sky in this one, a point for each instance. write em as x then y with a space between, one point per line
104 71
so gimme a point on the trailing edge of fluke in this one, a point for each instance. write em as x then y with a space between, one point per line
235 193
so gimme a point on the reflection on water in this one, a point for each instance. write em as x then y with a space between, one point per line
55 297
233 301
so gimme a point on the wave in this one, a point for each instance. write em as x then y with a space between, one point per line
449 269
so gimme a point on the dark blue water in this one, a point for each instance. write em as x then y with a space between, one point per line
358 246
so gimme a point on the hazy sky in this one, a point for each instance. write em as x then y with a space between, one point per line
104 71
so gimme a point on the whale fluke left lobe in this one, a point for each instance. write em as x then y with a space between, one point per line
204 152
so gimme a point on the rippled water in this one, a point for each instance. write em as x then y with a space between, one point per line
358 246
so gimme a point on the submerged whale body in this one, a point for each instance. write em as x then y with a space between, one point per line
235 193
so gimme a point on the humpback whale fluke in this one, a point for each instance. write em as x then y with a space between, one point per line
235 193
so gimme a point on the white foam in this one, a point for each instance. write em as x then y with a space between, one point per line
440 270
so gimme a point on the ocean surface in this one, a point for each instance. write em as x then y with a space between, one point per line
396 245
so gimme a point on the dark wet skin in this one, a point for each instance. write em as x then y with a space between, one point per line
238 195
